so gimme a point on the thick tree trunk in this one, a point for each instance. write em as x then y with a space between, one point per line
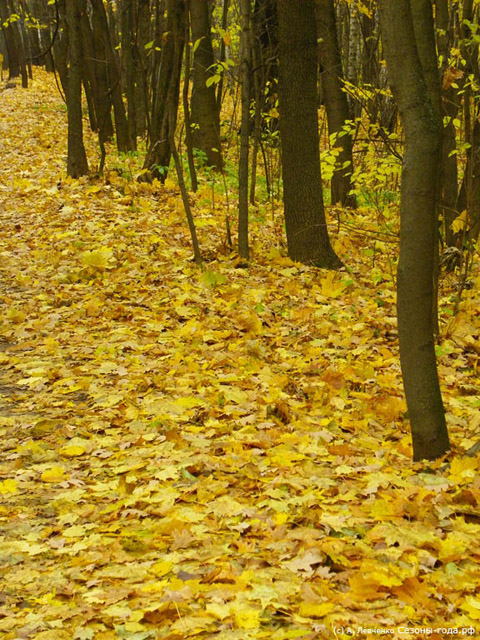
335 101
76 159
473 186
204 112
13 44
307 234
410 64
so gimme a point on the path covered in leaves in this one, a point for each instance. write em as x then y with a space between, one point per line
217 454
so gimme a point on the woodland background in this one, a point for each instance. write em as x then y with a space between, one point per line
219 446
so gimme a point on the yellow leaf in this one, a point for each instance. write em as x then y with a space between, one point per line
8 486
246 617
15 315
76 531
98 258
330 288
119 610
161 568
280 518
94 307
460 222
362 587
463 469
189 402
54 474
218 611
382 510
315 609
72 451
453 546
133 627
472 607
234 394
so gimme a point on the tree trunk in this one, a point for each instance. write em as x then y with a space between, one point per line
222 55
307 234
265 80
410 64
142 65
104 39
128 47
13 44
245 75
88 72
167 90
186 105
76 159
204 112
60 47
336 102
100 64
352 71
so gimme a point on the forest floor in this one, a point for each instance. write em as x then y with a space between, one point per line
220 453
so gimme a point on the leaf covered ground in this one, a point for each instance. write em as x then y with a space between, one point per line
217 454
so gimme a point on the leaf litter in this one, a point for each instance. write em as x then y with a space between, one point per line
217 454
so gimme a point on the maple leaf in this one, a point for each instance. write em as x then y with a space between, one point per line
97 258
8 486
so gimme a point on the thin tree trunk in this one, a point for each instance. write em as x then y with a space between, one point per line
168 87
222 56
76 158
143 65
336 102
102 32
128 47
172 111
186 105
246 70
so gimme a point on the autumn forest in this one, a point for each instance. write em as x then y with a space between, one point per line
239 319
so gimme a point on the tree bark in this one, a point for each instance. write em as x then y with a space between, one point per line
13 45
143 65
128 64
409 67
222 55
336 102
245 74
307 234
167 90
77 164
186 105
104 40
204 112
